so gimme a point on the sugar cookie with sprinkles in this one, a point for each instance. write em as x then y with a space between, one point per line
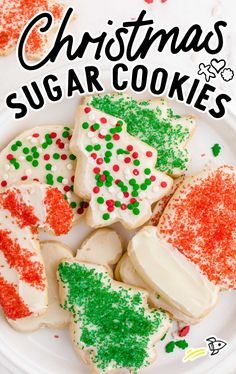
112 325
15 14
101 247
153 122
115 171
23 209
42 154
200 221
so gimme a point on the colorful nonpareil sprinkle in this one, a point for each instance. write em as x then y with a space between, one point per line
216 150
14 16
109 317
200 222
182 344
155 124
42 154
184 331
121 178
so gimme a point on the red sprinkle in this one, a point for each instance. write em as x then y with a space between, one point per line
123 207
135 155
163 184
152 178
10 157
99 161
127 160
103 177
116 137
103 120
135 172
96 189
46 157
184 331
87 109
36 135
64 157
24 178
116 168
129 148
96 170
4 183
53 135
149 154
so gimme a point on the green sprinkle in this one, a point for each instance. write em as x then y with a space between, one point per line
29 158
26 150
85 125
14 147
108 154
72 157
182 344
19 143
44 145
34 149
143 187
96 126
136 162
65 134
48 166
130 206
73 205
132 182
216 150
97 147
108 137
16 165
89 148
107 160
170 347
56 156
36 155
60 179
148 182
163 337
109 145
100 200
117 204
134 193
106 216
147 171
136 211
35 163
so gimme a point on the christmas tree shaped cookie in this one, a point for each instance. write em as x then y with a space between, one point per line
115 171
14 16
154 123
112 326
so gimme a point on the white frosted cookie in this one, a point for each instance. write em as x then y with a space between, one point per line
55 317
43 154
102 247
115 171
15 15
24 209
200 221
126 273
162 203
112 325
153 122
171 274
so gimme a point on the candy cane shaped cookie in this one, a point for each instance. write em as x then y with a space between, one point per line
24 209
115 171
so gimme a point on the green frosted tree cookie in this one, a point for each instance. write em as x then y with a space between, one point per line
154 123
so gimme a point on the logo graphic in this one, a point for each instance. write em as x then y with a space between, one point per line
214 347
216 67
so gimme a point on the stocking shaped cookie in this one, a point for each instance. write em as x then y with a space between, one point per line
42 154
115 171
24 209
200 221
154 123
14 16
101 247
112 325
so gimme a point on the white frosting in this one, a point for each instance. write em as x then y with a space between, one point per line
171 274
33 195
85 181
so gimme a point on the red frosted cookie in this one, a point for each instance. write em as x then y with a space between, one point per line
15 14
200 221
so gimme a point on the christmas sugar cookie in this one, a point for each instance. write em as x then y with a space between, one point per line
55 317
42 154
200 221
162 203
115 171
102 246
24 209
126 273
112 326
169 273
154 123
14 16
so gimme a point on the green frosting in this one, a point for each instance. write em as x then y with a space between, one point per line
151 127
114 325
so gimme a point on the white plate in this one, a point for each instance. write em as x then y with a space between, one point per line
41 352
